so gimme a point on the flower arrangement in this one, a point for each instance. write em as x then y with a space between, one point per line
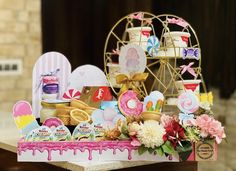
169 136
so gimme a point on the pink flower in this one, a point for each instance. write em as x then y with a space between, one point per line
166 120
135 142
208 126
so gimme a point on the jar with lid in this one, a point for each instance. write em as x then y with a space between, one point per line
49 109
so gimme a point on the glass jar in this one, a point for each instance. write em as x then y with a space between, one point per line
49 110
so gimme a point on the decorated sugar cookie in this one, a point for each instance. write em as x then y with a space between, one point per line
24 119
129 104
188 102
153 45
153 102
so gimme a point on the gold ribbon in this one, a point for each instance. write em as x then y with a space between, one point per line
129 82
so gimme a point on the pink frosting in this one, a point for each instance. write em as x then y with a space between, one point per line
22 108
52 122
123 100
75 145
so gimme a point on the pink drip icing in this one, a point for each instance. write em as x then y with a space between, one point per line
61 151
114 151
33 152
76 145
49 154
75 151
90 154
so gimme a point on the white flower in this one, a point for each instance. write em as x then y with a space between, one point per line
151 133
205 106
133 128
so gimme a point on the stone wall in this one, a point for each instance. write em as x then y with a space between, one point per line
20 38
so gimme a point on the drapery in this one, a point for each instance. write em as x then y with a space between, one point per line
78 29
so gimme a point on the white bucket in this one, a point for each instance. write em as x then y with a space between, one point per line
139 36
113 70
193 85
180 39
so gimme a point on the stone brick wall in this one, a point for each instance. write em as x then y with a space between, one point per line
20 38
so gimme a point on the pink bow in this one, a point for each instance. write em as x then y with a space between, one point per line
138 16
188 68
178 21
116 52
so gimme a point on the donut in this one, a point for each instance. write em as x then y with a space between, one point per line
129 103
52 122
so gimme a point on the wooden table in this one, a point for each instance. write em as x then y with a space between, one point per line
8 145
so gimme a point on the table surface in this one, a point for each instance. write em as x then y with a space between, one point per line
9 135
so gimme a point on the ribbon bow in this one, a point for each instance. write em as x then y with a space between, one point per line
184 118
207 97
138 16
188 68
178 21
129 82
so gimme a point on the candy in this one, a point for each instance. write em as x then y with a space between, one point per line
61 133
188 102
72 94
153 45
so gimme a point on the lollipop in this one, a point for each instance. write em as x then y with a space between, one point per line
129 104
188 102
153 45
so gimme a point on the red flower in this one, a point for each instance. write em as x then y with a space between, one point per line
174 133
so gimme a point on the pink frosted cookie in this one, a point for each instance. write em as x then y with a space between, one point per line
52 122
129 104
188 102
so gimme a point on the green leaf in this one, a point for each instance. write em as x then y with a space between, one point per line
185 150
159 151
123 137
168 148
142 149
151 150
124 128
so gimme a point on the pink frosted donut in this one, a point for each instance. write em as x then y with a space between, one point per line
129 104
52 122
188 102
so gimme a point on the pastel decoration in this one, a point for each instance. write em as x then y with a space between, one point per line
207 97
153 102
188 102
192 53
61 133
30 135
83 132
188 68
132 59
24 119
184 118
49 63
71 94
178 21
129 103
86 75
153 46
107 117
112 104
52 123
42 133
